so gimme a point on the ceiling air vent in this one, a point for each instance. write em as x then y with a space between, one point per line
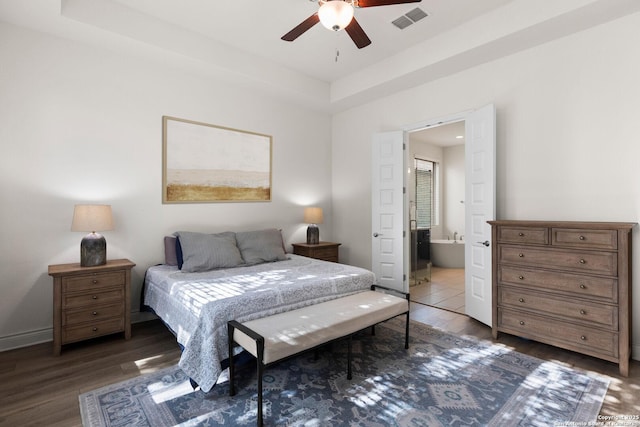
409 18
402 22
416 14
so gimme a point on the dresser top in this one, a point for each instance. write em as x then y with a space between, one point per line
567 224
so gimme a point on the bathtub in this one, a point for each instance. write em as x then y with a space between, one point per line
447 253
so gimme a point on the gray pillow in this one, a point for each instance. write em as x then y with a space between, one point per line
203 252
261 246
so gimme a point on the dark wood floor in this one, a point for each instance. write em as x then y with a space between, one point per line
38 389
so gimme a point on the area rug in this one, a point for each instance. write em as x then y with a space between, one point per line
442 380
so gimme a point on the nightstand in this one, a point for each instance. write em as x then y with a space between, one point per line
90 302
327 251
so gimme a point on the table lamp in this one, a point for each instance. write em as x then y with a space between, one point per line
93 247
313 216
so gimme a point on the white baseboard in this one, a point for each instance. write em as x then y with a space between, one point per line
26 339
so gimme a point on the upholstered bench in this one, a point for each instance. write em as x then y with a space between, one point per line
283 335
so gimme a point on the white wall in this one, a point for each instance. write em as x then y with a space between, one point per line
567 142
80 124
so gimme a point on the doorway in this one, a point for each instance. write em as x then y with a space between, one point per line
390 248
436 188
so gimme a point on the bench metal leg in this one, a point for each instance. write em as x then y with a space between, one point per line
260 348
232 390
349 357
406 333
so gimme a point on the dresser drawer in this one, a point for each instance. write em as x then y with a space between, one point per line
93 299
583 311
575 284
524 235
91 330
605 263
584 339
597 239
96 314
92 281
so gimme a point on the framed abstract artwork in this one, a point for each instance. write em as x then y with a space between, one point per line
205 163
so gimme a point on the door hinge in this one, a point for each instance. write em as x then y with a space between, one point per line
404 190
404 233
404 146
404 277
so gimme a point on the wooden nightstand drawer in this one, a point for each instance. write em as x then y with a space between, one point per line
91 314
326 251
92 281
98 298
92 330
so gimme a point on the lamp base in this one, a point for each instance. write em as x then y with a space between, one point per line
93 250
313 235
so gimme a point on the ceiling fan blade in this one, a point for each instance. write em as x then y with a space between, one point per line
301 28
372 3
357 34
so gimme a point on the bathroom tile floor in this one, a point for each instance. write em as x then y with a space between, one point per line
445 289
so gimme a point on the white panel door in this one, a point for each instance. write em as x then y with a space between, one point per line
480 184
388 222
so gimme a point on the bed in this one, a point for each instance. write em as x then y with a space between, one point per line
196 303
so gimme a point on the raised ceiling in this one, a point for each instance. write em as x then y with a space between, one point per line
239 40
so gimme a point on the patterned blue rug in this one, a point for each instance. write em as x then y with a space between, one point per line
442 380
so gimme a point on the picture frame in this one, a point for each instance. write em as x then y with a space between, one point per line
205 163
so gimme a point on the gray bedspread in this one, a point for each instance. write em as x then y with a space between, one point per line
197 306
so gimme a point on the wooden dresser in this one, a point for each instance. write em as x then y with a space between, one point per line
90 302
327 251
567 284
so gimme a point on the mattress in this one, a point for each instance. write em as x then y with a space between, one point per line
197 306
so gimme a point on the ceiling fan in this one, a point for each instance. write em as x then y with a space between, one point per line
337 15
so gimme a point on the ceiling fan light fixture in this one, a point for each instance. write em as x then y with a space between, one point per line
335 14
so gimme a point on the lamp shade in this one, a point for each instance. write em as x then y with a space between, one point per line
313 215
92 218
335 14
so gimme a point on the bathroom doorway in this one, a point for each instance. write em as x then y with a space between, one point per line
436 188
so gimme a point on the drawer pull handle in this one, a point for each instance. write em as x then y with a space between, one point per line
582 286
581 237
521 255
521 277
522 322
95 329
583 312
95 313
94 281
582 261
521 234
94 297
583 338
521 299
